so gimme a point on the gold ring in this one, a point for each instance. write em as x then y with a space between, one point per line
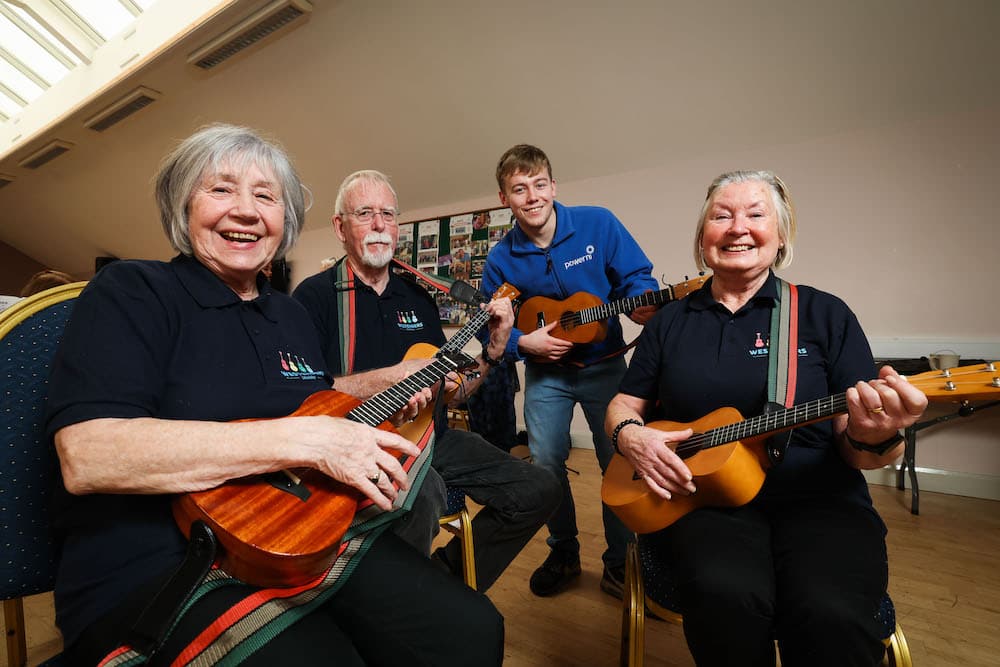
876 411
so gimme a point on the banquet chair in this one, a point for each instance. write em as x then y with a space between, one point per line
456 518
30 331
458 521
649 589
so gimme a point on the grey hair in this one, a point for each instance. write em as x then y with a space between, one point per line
366 175
204 153
782 207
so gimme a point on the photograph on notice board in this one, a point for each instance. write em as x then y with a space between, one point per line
453 247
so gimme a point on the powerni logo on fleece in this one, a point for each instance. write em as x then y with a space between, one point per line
580 260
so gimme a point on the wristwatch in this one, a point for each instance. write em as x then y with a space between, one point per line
878 448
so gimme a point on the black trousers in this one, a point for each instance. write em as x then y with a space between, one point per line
397 608
809 573
517 499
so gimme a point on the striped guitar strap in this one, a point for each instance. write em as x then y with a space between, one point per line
343 288
783 360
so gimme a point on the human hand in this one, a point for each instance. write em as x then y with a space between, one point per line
881 407
358 455
651 453
642 314
542 346
409 412
500 325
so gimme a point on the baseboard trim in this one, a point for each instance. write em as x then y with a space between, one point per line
953 483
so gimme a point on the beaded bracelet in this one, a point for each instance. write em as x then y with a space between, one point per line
618 429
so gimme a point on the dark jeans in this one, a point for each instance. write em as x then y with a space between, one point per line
810 574
517 499
396 608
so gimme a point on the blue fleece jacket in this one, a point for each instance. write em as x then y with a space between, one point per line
590 252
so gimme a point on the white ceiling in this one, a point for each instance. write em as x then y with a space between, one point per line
433 91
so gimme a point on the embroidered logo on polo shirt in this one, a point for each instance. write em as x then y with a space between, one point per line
294 367
761 347
407 320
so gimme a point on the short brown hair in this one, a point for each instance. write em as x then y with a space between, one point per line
522 159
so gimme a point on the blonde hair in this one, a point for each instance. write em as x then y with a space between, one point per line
782 207
44 280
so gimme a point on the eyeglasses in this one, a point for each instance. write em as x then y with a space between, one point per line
366 216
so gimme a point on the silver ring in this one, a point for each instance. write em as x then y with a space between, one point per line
374 479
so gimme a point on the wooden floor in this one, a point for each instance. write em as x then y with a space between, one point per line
943 579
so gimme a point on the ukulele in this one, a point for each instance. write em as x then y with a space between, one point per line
726 453
458 341
284 528
583 317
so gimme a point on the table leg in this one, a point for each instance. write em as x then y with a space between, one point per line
910 462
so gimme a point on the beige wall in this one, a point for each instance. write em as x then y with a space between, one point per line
897 221
15 269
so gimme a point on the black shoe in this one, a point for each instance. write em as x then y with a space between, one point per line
560 568
613 581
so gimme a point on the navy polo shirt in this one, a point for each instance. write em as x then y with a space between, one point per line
386 325
695 356
171 341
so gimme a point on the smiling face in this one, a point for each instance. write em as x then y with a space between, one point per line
740 238
530 198
236 223
369 244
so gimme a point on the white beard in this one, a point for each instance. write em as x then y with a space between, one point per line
380 259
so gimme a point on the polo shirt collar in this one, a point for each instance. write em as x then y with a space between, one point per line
209 291
703 299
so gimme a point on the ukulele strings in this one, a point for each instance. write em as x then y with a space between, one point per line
773 421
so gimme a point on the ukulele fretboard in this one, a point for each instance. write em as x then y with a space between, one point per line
772 422
388 402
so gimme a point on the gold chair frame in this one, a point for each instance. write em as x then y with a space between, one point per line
459 524
635 603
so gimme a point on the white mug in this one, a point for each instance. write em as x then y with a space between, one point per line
943 360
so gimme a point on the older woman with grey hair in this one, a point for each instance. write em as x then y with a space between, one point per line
176 377
804 562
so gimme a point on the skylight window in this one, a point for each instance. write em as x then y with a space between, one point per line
107 17
34 56
30 53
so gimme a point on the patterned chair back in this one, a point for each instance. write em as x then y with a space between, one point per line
30 331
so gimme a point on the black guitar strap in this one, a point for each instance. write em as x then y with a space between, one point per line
157 619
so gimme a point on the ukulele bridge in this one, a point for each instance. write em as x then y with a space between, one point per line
288 482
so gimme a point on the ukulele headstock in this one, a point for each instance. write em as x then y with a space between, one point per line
507 290
681 290
975 382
